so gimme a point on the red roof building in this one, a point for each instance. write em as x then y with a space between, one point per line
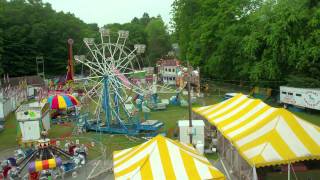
167 70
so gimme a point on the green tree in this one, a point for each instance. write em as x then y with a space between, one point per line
158 42
32 28
252 40
147 30
1 35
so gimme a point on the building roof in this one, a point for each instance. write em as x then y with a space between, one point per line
169 62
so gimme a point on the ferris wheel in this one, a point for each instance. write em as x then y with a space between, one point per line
108 86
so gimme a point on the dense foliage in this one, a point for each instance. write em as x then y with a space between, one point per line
31 28
268 42
150 31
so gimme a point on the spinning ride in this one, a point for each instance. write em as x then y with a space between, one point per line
44 161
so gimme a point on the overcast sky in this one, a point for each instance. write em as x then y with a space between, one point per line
113 11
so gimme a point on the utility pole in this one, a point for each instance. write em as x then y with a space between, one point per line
189 102
40 66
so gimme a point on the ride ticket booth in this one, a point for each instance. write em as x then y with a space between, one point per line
32 118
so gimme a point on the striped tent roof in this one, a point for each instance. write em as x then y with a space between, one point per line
163 158
263 135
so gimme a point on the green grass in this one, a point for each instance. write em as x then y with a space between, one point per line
170 116
207 100
313 118
309 175
212 156
8 137
58 131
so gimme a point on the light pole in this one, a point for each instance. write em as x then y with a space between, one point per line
189 102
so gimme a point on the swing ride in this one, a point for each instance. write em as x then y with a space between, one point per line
43 161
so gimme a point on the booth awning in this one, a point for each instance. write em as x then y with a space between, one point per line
163 158
263 135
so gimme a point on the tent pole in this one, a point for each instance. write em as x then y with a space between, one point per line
239 164
255 176
232 157
289 171
222 146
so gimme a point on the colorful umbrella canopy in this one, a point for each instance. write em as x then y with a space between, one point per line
62 101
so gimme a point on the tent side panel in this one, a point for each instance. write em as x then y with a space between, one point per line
6 108
46 121
30 130
1 111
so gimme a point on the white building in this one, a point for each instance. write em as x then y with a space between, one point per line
32 118
197 131
167 70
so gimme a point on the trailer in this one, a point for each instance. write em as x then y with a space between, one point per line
300 97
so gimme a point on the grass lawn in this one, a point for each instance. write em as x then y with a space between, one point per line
8 137
310 175
170 116
58 131
212 156
313 118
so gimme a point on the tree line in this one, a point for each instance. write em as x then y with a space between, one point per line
264 42
150 31
31 28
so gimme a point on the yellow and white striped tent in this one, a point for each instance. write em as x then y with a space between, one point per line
162 158
263 135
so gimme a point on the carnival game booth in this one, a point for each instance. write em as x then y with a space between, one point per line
163 158
254 137
33 118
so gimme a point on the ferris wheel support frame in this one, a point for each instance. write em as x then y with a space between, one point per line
106 101
109 65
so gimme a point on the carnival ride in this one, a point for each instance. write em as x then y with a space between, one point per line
109 88
44 161
155 89
64 107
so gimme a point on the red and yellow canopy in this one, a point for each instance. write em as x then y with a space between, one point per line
62 101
